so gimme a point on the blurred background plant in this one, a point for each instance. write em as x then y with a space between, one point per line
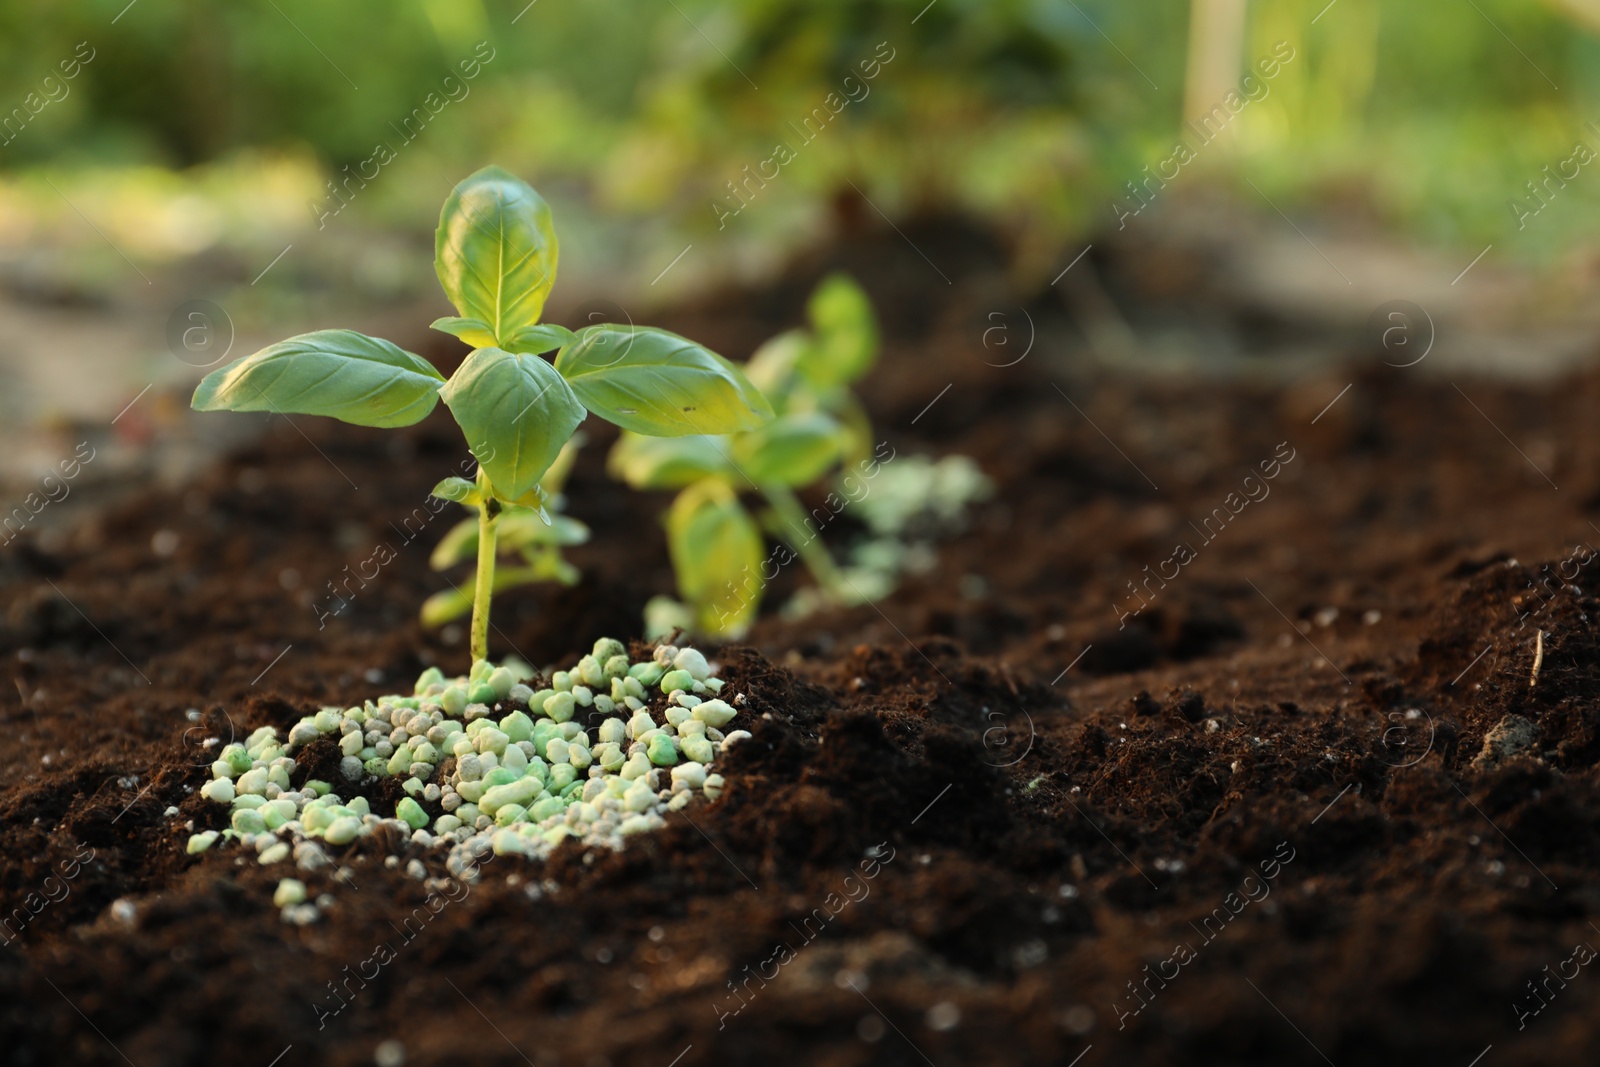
688 144
821 440
718 555
197 123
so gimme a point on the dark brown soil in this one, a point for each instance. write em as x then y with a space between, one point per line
1177 837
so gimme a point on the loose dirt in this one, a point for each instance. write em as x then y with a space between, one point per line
1226 805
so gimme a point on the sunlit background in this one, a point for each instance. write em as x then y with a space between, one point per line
1345 153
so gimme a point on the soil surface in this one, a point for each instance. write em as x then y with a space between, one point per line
1177 757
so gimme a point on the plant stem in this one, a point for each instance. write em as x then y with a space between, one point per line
488 512
792 515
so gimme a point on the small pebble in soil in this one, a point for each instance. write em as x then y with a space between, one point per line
1509 737
870 1029
1079 1019
1030 954
487 763
301 914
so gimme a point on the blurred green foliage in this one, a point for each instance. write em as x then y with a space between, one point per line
1033 112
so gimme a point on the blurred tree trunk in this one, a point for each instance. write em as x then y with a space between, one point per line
1585 11
1216 50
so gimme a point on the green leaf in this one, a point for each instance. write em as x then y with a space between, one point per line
546 565
457 546
339 373
544 337
517 528
516 411
792 450
657 383
555 479
445 606
495 252
716 554
449 604
846 341
857 437
772 368
472 331
535 340
521 528
664 615
666 462
534 499
460 490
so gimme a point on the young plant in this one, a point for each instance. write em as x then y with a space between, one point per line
495 254
535 539
716 545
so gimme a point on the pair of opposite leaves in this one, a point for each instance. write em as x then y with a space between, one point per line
495 254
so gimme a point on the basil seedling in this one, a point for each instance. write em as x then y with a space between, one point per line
495 254
536 540
716 544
